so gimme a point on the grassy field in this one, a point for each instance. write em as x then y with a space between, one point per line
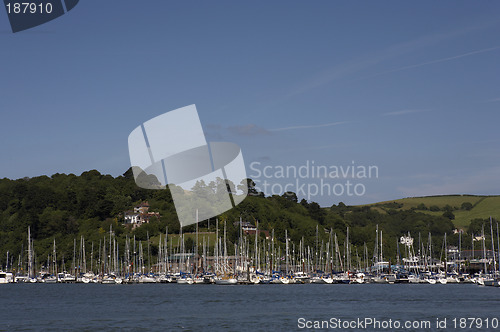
489 206
483 206
440 201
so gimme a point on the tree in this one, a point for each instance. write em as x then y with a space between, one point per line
448 214
250 185
291 196
189 244
466 206
476 225
448 207
316 212
421 206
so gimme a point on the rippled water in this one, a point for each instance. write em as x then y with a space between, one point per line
233 308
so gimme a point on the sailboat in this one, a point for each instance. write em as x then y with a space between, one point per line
52 279
225 279
492 279
6 277
442 277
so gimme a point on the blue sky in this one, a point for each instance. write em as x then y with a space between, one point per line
411 87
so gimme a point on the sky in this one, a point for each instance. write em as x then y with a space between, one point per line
411 89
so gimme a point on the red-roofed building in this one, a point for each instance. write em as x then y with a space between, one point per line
140 215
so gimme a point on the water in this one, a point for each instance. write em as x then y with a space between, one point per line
235 308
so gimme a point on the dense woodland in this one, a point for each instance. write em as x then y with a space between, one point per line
66 207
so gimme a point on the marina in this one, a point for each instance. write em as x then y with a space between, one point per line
250 166
261 261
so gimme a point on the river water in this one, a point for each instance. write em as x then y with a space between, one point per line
166 307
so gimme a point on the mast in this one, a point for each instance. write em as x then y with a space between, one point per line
286 253
348 263
225 248
160 255
331 250
181 260
30 258
398 253
216 249
338 258
498 245
430 249
110 252
54 260
74 256
196 245
375 251
104 260
445 257
256 260
484 251
459 251
149 253
272 252
316 250
472 256
419 252
83 258
237 250
99 259
381 248
167 267
493 247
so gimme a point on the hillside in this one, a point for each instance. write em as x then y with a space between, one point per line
68 208
481 207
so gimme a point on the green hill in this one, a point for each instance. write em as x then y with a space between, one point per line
481 207
69 208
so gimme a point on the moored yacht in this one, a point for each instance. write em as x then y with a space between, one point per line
6 277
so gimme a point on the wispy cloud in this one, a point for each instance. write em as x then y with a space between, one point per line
373 58
463 55
331 124
494 100
403 112
247 130
319 147
331 146
217 131
425 176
